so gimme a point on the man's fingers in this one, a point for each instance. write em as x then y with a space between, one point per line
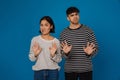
88 44
62 44
65 42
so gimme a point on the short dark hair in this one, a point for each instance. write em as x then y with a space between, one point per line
49 20
71 10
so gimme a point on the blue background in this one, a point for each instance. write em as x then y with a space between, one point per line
19 22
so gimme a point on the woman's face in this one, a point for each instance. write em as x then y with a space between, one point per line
45 27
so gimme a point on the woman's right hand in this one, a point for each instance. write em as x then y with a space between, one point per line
36 49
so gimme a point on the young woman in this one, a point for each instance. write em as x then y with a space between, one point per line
45 51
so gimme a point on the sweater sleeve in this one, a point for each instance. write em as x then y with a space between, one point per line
31 53
57 58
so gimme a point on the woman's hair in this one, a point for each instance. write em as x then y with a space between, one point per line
50 21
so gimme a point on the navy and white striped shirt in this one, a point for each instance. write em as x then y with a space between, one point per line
77 60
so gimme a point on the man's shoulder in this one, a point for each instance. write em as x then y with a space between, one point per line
65 29
87 28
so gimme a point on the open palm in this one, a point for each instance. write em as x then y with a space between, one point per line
53 49
65 47
90 48
36 48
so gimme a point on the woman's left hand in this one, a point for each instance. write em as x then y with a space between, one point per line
53 49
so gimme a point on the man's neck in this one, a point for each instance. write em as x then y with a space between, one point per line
74 26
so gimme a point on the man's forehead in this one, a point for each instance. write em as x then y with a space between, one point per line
74 13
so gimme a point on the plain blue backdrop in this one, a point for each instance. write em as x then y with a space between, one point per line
19 22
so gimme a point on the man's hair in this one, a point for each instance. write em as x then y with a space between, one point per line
71 10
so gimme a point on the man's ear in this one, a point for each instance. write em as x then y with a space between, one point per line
68 18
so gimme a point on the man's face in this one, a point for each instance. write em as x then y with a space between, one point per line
73 18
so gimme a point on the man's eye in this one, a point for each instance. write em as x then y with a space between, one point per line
72 15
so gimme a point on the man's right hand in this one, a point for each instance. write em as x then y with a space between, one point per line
65 47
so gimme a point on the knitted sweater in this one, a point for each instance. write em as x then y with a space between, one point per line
44 59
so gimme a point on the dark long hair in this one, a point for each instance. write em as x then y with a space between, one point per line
49 20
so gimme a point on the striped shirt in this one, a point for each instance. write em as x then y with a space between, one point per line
77 60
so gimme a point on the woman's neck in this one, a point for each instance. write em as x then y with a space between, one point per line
47 37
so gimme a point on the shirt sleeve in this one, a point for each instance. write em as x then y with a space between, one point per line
92 39
63 38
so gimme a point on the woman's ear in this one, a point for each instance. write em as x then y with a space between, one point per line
51 27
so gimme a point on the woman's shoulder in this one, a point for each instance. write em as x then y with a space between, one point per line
36 37
56 40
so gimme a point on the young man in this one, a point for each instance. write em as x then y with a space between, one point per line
78 45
